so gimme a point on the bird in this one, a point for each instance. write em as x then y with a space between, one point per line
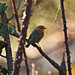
36 35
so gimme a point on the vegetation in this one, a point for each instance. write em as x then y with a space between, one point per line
7 27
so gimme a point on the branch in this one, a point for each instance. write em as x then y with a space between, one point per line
3 42
16 35
21 48
3 56
61 68
66 38
48 58
16 16
16 11
26 63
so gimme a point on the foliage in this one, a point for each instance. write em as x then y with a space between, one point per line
12 29
3 70
3 30
3 7
2 45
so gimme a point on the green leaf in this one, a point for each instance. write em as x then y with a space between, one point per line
3 7
3 30
3 70
13 31
2 45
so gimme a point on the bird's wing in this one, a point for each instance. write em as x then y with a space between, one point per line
37 39
36 36
34 33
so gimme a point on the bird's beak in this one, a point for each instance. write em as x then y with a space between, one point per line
45 28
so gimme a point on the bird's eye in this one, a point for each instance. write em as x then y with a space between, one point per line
41 27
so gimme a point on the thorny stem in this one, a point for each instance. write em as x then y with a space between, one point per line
66 38
21 48
26 63
8 46
16 11
16 16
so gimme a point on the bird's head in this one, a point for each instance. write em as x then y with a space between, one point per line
41 28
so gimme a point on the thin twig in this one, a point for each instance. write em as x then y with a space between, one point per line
3 56
66 38
56 18
16 35
16 15
3 41
26 63
16 11
34 2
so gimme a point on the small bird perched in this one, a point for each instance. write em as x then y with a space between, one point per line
36 35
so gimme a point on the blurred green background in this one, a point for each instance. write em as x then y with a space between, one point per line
44 13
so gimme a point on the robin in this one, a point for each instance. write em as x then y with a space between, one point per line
36 35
